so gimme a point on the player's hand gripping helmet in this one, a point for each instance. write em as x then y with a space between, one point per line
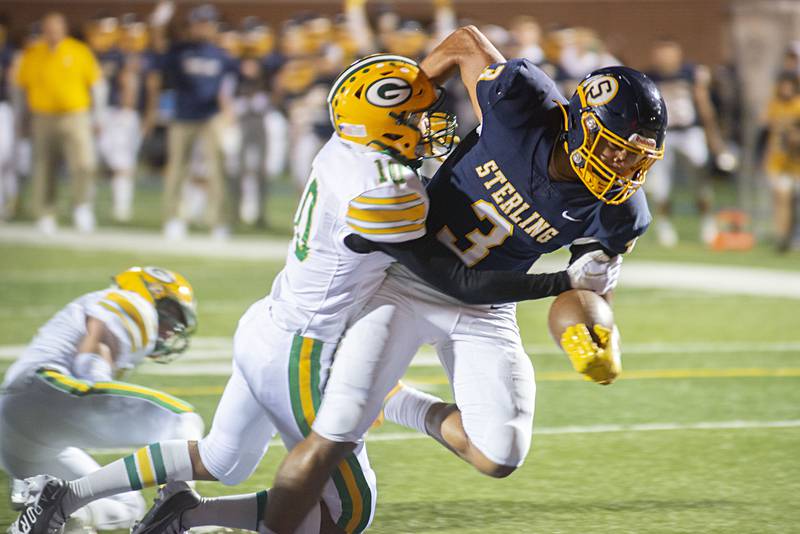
174 300
387 103
615 128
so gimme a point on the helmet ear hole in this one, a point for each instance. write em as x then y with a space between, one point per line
358 92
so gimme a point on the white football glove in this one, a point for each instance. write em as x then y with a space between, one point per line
595 271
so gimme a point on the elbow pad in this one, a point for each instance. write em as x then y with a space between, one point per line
92 367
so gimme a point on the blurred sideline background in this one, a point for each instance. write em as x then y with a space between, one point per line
270 117
701 432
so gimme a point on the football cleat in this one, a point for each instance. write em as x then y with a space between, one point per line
42 512
172 501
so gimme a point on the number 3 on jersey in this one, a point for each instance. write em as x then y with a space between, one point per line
481 243
303 219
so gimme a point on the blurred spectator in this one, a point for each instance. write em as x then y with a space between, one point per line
692 130
783 155
130 98
527 38
58 75
311 62
409 40
196 69
118 127
252 107
8 174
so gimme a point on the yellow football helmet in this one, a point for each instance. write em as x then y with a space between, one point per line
387 103
135 36
257 38
229 40
102 33
173 298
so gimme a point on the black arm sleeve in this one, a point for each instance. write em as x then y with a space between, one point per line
576 251
435 264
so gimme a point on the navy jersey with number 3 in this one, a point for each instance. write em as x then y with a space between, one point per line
495 206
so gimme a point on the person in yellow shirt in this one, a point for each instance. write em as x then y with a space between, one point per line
782 159
61 80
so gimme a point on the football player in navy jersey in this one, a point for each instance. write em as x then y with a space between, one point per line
693 132
544 173
540 173
197 69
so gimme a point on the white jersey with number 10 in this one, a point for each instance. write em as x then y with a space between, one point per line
352 189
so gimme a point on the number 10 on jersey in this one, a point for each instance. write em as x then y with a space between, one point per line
303 219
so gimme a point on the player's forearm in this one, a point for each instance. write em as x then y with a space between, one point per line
465 50
437 266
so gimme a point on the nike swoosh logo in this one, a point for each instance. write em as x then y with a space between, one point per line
567 217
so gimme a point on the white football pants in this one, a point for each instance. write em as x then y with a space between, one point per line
479 346
276 386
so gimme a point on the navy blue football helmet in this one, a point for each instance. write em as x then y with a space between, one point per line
615 127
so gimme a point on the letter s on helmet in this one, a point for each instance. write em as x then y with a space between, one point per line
618 110
386 102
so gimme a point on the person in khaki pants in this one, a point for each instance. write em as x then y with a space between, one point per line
199 71
61 79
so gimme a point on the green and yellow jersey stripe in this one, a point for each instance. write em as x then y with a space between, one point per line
305 395
387 201
388 230
132 312
413 213
125 322
79 387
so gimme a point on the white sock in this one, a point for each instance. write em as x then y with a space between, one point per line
237 511
409 407
122 193
153 465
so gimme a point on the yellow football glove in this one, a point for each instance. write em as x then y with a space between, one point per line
598 362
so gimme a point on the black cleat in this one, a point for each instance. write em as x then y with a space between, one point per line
42 512
165 516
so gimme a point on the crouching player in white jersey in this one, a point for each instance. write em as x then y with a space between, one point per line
362 183
60 396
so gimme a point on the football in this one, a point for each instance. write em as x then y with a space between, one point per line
578 306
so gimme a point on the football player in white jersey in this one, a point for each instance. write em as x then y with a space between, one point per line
362 183
283 348
60 396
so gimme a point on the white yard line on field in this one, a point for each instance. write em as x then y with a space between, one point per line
636 274
565 430
212 356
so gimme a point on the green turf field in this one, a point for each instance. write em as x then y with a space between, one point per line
689 440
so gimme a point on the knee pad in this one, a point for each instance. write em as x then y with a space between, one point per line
230 463
505 443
